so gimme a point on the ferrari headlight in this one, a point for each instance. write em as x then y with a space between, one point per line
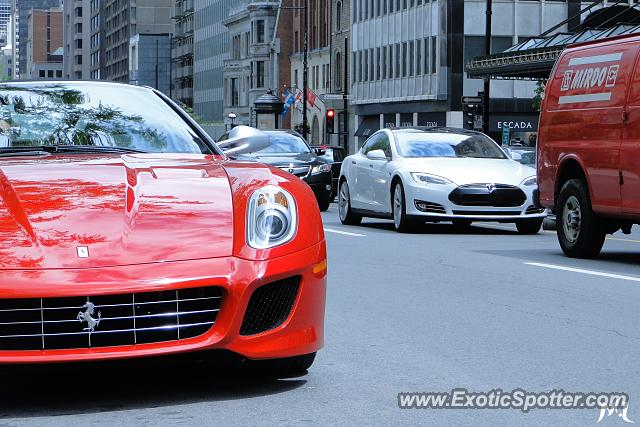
423 178
531 181
325 167
271 218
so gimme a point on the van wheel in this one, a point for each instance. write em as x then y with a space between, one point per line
580 232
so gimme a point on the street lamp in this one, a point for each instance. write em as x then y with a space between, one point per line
232 117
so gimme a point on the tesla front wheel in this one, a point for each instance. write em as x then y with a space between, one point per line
347 216
579 230
401 221
529 226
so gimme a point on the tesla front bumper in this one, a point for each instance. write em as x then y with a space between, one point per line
432 202
299 328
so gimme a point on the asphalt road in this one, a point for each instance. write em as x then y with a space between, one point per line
481 308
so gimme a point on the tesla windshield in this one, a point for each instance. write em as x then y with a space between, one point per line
91 117
435 144
282 142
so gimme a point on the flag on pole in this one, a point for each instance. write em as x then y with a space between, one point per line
311 97
288 100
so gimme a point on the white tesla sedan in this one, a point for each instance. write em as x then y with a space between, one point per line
437 174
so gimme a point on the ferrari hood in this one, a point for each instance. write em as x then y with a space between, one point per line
472 171
98 211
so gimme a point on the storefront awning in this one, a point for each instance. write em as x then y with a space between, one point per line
368 126
533 59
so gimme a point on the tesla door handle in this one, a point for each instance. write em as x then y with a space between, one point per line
353 162
371 166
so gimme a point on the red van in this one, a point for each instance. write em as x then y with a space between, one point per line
589 143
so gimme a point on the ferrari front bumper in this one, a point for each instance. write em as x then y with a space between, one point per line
302 331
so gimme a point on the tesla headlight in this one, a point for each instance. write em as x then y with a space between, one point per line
325 167
423 178
271 218
531 181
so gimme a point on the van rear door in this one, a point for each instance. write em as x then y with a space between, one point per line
630 148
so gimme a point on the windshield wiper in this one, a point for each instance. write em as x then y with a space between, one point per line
94 149
54 149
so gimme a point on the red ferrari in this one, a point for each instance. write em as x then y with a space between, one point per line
125 231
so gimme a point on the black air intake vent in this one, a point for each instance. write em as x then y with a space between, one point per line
270 305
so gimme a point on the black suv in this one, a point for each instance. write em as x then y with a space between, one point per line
288 151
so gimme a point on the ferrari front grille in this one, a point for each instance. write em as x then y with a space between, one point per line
107 320
270 305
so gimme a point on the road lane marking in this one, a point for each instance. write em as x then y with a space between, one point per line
583 271
623 240
345 233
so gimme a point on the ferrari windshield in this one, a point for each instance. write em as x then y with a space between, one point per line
441 144
284 143
92 115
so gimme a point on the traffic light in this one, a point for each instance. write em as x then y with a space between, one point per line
331 115
473 115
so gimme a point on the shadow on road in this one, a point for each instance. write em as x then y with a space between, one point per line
70 389
554 255
445 228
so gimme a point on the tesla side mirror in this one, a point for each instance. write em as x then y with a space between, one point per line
376 155
243 140
508 152
320 152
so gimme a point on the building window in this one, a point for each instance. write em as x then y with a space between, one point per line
42 74
411 58
475 46
58 73
378 63
259 31
372 65
398 61
338 16
260 74
50 73
434 54
418 57
338 71
235 93
296 42
384 63
366 65
78 43
405 59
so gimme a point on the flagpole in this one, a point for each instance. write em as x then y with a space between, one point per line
305 73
